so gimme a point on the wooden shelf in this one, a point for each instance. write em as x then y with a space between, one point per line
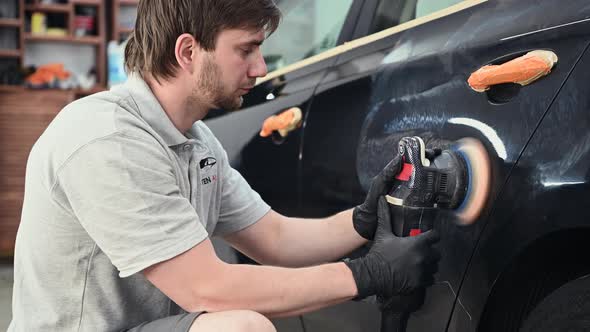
10 53
92 40
53 8
119 31
67 12
80 92
86 2
11 88
10 22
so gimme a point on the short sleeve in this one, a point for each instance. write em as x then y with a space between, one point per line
125 194
240 206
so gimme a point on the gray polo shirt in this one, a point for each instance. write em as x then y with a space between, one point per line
112 187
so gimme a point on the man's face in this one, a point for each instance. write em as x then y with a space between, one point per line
230 71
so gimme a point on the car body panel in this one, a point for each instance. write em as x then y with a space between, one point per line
434 102
545 194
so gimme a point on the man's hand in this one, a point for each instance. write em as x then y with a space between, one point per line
364 216
395 265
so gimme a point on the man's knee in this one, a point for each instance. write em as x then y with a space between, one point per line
233 321
257 322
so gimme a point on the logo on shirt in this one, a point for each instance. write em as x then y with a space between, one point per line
207 163
208 179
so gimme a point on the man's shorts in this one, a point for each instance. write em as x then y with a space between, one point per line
178 323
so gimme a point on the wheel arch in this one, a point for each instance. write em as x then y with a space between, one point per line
544 265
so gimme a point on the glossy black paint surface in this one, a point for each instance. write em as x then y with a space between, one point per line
544 201
358 105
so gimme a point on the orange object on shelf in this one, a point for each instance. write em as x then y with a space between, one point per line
522 70
284 123
48 74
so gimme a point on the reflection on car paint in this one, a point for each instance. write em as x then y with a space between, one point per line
489 132
545 29
562 183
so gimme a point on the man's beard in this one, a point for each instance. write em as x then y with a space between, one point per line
210 88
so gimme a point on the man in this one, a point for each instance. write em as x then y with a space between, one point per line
116 222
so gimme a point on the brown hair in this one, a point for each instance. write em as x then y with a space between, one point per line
150 49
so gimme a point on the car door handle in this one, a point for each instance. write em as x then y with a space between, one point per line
282 123
522 70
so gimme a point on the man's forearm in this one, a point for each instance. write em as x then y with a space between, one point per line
276 291
305 242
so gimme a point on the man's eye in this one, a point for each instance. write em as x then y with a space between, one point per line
247 51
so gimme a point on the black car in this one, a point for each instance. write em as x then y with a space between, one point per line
369 72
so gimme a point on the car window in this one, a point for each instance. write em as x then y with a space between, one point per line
308 27
390 13
425 7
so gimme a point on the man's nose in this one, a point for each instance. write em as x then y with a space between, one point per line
258 67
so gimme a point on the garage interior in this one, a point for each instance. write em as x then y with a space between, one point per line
482 133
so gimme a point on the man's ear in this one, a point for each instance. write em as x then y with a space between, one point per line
185 50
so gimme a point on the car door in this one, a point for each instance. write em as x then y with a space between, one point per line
411 80
537 237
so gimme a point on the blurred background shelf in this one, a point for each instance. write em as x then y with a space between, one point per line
50 8
16 53
124 14
77 92
87 2
65 39
10 22
76 22
26 47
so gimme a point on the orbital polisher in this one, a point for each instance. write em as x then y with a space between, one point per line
457 179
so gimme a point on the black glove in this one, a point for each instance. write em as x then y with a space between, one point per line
364 216
395 265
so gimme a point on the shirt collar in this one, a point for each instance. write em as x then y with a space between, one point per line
152 112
